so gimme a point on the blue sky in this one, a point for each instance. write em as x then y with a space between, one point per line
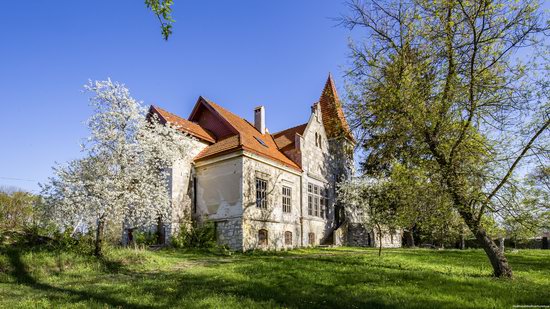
239 54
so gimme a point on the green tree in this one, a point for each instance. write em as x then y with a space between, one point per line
435 85
17 210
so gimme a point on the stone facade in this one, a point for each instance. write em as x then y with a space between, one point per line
278 197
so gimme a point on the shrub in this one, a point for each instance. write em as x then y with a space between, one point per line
147 238
202 236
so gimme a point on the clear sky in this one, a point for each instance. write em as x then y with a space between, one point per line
239 54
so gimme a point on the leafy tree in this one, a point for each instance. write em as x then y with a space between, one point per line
436 86
527 208
17 210
374 201
123 177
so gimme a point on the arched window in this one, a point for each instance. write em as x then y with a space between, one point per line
316 139
311 238
262 237
288 238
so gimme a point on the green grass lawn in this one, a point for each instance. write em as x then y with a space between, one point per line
340 277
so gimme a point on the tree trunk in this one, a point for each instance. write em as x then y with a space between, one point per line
379 241
496 257
409 238
98 251
501 268
462 241
501 244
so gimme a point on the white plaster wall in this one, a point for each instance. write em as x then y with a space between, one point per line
219 189
219 198
180 176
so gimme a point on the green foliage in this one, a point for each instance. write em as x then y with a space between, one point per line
163 10
145 238
436 89
18 210
201 236
304 278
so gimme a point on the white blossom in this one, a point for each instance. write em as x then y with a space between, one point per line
123 175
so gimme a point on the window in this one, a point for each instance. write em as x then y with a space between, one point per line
316 205
261 141
287 199
310 199
317 201
324 204
318 140
262 237
288 238
261 193
311 238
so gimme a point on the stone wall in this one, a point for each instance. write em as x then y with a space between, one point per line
272 218
230 233
359 235
317 170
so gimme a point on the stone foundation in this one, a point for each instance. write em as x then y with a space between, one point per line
230 233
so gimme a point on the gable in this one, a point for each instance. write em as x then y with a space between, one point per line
208 118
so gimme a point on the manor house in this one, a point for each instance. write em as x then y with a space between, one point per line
263 189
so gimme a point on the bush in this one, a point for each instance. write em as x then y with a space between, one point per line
46 238
203 236
145 238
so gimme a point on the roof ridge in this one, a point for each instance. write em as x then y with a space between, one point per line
287 129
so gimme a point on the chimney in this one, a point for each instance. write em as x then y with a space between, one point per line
259 119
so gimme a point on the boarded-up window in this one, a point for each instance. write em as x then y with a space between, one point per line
311 238
261 193
262 237
288 238
287 199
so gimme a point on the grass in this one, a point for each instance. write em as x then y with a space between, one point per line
312 278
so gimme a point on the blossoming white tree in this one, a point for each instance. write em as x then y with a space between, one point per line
123 176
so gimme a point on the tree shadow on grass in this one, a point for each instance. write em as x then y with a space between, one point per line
300 285
308 282
21 276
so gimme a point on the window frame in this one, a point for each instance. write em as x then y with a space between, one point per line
261 193
263 242
286 199
288 238
311 238
317 199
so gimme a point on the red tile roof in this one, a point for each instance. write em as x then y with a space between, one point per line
247 139
235 133
183 124
285 139
334 120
